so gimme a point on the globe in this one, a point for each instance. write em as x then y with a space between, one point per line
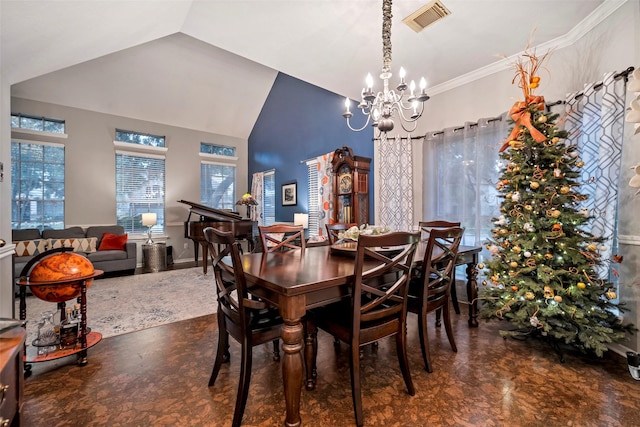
62 267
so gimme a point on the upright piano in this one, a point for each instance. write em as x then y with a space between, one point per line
205 216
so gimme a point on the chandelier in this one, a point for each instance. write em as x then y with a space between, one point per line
379 108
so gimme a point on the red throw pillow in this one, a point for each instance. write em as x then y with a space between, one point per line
111 242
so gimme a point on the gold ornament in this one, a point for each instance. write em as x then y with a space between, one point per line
581 285
548 292
516 145
508 195
542 119
557 298
555 213
534 185
564 189
514 288
591 247
481 266
555 139
611 295
517 249
579 164
548 256
513 264
556 228
529 295
528 207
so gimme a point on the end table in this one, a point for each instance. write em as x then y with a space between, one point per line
154 257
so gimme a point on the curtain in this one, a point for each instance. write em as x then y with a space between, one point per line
595 122
325 192
460 171
396 189
257 184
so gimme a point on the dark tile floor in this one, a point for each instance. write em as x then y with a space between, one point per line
158 377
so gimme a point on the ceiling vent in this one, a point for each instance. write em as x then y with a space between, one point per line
426 15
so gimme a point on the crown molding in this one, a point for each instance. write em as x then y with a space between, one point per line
601 13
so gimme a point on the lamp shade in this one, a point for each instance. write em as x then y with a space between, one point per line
149 219
301 219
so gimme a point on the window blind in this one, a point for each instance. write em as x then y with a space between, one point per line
312 173
140 188
269 198
217 185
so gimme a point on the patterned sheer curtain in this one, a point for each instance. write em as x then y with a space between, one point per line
325 192
396 189
257 183
595 122
461 168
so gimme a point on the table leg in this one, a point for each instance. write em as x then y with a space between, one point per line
82 356
292 309
472 292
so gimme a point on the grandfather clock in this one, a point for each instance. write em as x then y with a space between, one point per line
350 187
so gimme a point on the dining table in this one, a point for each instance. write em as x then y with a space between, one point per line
298 280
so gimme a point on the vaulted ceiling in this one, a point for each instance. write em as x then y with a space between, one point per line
209 64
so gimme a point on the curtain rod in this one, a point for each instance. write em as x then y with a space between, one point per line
623 74
377 138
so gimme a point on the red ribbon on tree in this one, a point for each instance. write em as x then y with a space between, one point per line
522 117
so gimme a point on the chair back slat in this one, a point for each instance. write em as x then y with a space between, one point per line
439 261
281 237
380 293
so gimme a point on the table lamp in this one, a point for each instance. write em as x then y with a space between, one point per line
149 219
301 219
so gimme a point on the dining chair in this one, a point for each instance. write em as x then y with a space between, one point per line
377 308
432 288
336 228
249 321
280 237
425 228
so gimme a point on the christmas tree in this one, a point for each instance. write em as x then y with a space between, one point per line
542 275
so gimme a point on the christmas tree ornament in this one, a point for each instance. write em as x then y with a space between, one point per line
581 285
557 299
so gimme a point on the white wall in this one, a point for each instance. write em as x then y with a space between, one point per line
613 45
90 167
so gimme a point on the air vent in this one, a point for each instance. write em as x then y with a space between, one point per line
426 15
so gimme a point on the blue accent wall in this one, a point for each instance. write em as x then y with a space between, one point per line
300 121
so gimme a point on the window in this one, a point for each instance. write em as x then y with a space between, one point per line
218 150
269 198
139 138
217 185
140 181
314 210
37 186
40 124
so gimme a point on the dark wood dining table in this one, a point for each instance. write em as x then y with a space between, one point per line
298 280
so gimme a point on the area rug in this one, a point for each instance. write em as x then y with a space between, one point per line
125 304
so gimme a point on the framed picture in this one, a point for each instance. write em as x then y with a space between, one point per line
289 197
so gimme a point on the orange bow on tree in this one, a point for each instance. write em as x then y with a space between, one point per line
522 117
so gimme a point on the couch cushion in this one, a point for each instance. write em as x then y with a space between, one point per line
31 247
111 241
26 234
106 256
99 230
78 245
67 233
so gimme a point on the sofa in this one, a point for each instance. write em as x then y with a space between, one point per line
106 246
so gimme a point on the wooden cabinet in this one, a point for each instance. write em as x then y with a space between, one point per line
350 187
11 377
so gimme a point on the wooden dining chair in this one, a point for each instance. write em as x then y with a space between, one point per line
280 237
425 228
377 308
432 288
249 321
336 228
